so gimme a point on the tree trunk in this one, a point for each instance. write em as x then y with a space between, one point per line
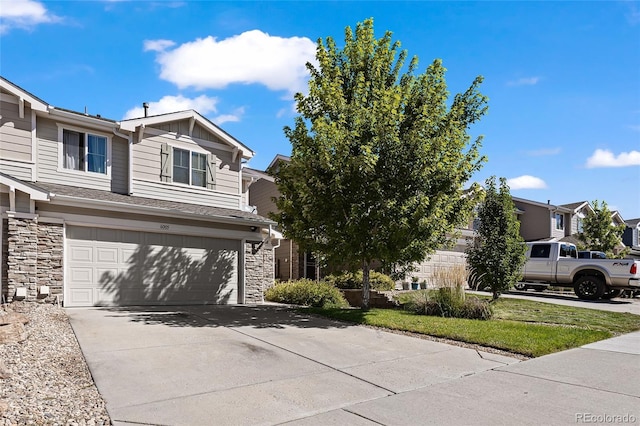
365 285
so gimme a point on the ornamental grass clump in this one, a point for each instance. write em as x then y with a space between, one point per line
307 292
448 299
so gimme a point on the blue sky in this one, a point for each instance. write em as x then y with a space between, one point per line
563 78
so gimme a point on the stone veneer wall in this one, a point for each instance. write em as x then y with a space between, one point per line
259 271
5 250
33 257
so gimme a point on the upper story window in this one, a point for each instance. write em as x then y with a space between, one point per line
559 221
84 151
579 224
188 167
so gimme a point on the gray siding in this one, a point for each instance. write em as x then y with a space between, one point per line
23 202
4 201
120 165
184 194
47 140
146 163
535 222
147 168
17 170
15 133
260 194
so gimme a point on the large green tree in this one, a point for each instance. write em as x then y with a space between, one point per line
599 233
497 253
379 156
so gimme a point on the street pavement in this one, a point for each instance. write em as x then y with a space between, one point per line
250 365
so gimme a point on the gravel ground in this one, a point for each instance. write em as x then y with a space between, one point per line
46 379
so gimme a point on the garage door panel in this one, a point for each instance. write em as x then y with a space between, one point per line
81 276
81 253
175 269
107 255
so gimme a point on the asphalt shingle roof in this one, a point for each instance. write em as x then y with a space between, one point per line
173 206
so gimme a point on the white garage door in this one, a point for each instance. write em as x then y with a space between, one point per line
118 267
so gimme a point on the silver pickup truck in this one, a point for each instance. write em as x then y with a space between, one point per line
557 264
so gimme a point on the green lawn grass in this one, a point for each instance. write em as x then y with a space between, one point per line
519 326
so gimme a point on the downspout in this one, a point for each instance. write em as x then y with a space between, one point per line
279 242
291 260
129 138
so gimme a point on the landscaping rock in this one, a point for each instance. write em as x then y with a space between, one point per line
44 378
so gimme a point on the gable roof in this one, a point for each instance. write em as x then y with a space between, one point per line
548 205
576 206
632 222
36 103
132 124
277 159
35 192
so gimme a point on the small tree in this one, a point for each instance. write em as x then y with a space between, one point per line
599 233
379 157
497 254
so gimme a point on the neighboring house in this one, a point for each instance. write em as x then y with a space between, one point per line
152 210
289 262
292 264
631 236
540 221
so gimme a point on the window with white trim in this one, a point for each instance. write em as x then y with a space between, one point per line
189 168
559 221
84 152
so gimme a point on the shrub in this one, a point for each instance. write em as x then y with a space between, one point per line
307 293
353 280
431 303
448 298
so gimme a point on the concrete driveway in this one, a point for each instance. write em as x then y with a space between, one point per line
233 365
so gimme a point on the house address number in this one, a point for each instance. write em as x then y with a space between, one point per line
164 227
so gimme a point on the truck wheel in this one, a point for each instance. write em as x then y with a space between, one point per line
612 293
589 288
520 286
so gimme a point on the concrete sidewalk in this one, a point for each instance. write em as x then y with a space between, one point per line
266 365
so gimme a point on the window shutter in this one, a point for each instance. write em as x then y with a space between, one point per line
166 163
211 171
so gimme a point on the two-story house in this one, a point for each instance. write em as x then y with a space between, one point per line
631 236
151 210
548 222
290 263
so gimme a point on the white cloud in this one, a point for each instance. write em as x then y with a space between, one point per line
605 158
24 14
233 117
203 104
158 45
252 57
525 81
526 182
544 152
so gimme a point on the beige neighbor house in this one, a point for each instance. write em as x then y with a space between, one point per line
292 264
147 211
289 262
